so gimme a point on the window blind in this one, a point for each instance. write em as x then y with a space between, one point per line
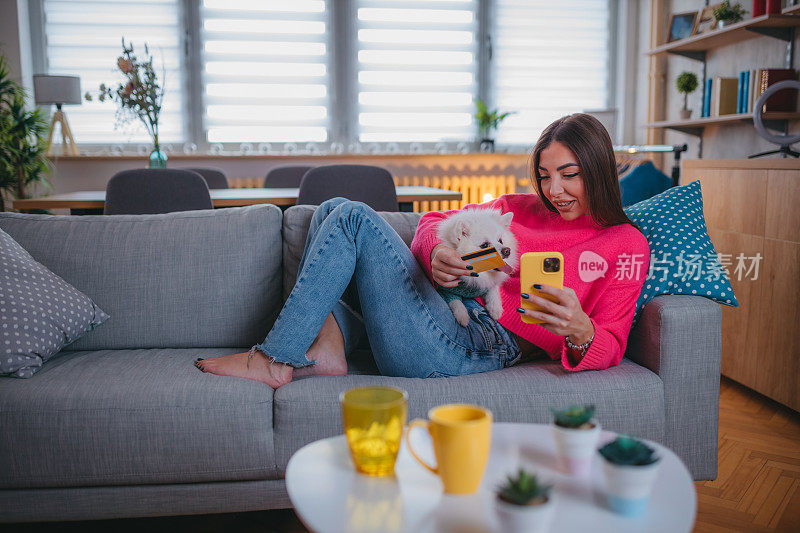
84 38
549 59
265 70
416 68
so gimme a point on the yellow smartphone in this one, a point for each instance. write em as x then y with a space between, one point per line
544 268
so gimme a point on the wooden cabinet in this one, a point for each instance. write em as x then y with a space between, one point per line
753 207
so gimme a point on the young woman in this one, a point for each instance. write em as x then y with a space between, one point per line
412 331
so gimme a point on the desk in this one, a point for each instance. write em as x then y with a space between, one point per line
92 202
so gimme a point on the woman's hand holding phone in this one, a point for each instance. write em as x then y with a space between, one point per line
447 266
564 317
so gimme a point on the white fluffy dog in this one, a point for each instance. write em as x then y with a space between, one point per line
468 231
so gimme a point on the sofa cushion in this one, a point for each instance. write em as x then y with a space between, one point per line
41 313
629 399
133 417
296 221
682 257
180 280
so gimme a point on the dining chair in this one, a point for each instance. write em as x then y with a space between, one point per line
214 177
151 191
285 176
364 183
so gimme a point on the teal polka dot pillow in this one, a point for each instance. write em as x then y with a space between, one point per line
682 258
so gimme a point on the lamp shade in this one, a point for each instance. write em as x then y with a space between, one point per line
49 89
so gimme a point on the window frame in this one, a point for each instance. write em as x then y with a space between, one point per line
341 40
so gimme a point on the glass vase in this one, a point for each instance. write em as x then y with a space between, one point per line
158 159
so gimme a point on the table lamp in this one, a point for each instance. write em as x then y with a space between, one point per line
59 90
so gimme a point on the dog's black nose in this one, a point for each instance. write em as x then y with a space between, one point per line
505 252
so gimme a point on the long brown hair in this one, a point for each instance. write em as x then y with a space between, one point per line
589 141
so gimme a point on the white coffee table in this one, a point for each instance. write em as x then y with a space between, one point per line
329 496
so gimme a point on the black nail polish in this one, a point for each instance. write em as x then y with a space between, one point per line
537 286
525 295
199 359
520 310
473 274
469 267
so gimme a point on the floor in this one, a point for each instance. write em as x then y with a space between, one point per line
756 489
759 466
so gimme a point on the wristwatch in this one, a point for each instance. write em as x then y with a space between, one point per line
582 347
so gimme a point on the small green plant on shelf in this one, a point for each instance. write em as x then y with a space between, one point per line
628 451
686 83
729 14
524 489
574 416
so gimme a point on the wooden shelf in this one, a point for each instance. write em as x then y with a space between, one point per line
778 26
695 126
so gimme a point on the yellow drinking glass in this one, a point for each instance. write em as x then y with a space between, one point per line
373 419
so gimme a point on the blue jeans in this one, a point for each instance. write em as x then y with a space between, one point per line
412 332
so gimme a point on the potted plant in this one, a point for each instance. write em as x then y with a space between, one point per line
686 83
524 503
726 14
23 143
488 121
630 468
139 96
576 434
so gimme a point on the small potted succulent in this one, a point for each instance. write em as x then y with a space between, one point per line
524 503
576 434
630 468
726 14
686 83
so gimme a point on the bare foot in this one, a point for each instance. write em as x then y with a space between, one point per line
261 368
328 350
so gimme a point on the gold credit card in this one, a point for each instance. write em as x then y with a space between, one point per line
485 259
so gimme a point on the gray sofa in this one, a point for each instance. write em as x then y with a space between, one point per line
122 425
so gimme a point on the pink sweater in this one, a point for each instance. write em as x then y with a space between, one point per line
609 300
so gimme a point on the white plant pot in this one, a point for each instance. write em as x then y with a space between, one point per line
628 487
576 448
524 518
686 114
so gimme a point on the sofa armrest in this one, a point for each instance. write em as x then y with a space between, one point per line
680 339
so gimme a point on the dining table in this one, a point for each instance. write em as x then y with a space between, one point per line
92 202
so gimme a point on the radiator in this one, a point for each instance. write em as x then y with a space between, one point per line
473 188
246 183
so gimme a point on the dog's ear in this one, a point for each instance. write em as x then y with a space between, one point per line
506 219
462 229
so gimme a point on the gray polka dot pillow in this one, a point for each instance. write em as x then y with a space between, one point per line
682 257
41 313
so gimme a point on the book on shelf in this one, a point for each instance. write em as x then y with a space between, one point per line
724 99
751 84
782 101
745 91
740 92
707 99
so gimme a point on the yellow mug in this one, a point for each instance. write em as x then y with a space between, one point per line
373 420
461 437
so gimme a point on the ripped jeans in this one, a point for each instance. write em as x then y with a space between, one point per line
411 330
